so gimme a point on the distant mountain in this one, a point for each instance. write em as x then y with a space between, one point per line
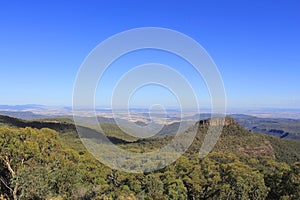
240 141
290 128
278 127
24 114
20 107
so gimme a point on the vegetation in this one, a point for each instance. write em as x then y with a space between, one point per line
47 164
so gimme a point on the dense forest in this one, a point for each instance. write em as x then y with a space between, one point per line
46 160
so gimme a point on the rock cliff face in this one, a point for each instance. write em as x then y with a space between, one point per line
218 121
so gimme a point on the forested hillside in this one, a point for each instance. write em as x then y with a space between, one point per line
41 163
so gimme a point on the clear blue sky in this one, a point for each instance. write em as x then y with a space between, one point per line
255 44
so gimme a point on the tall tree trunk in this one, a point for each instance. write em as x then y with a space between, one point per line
7 161
15 192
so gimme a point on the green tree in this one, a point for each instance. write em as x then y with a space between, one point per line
34 164
154 187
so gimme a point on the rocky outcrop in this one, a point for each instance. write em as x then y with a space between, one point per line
218 121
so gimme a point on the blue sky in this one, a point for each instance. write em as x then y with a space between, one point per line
255 44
